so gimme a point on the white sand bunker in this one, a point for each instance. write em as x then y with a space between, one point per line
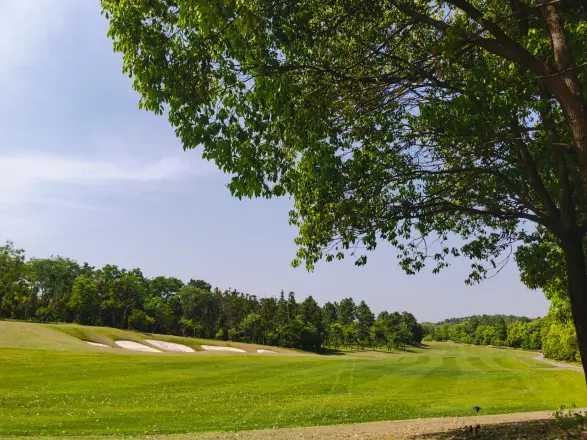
170 346
97 344
220 348
260 350
135 346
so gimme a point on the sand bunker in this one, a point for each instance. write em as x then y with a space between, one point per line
135 346
170 346
260 350
97 344
220 348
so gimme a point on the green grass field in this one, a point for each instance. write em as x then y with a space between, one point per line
52 383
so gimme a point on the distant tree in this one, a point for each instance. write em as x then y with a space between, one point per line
84 300
51 280
365 319
162 312
393 341
347 311
200 284
268 310
412 332
199 306
329 312
378 333
139 320
501 330
165 287
291 306
251 328
294 333
350 334
336 335
16 300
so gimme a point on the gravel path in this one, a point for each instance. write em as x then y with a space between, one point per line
540 357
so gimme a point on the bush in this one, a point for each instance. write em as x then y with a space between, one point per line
559 342
139 320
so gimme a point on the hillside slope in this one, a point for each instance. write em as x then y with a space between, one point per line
73 337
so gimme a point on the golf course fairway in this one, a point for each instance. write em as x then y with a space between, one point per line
53 383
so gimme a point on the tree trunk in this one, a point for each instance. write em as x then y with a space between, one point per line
571 99
577 285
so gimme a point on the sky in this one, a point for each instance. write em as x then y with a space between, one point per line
85 174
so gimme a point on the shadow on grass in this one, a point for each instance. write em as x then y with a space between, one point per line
530 430
331 352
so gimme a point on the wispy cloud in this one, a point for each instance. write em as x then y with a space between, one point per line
21 176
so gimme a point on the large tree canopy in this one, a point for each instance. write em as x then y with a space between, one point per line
406 121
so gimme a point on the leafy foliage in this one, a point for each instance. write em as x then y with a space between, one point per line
555 337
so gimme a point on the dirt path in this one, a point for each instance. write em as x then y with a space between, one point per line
393 430
540 357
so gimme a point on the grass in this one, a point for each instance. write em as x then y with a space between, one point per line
58 385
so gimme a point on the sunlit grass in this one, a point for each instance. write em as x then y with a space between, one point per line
100 392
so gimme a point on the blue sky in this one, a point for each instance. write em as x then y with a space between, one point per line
85 174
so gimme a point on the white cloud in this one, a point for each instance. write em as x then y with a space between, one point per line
22 176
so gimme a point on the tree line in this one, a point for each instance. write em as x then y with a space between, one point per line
554 334
59 289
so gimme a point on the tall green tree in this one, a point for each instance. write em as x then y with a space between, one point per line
346 311
409 121
85 300
251 328
311 313
16 299
365 319
51 280
336 335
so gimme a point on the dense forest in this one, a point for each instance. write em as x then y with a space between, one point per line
60 289
553 334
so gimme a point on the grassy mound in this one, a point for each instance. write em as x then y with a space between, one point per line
71 337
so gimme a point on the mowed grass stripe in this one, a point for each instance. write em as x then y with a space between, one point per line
477 363
92 392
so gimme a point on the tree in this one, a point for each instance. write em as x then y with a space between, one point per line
251 328
329 313
407 121
350 334
16 300
365 319
347 311
200 284
199 306
311 315
378 334
165 287
51 280
139 320
393 342
84 301
336 335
